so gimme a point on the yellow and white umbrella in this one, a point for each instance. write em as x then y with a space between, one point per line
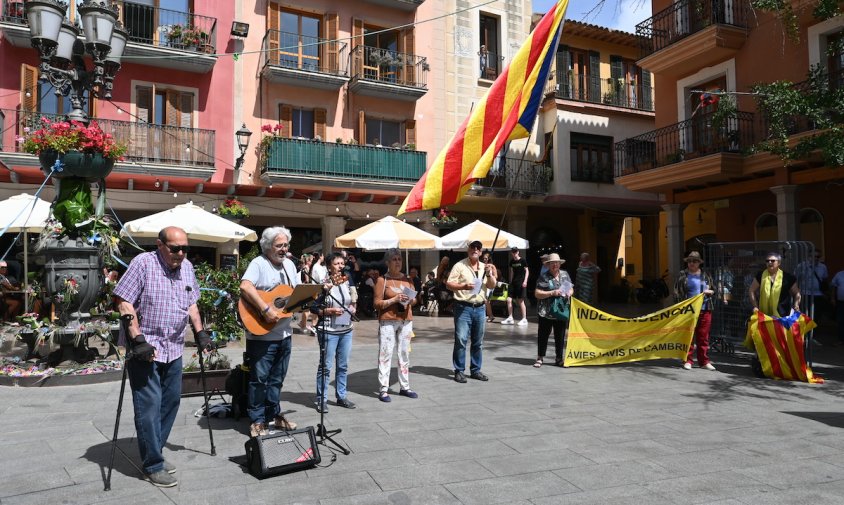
478 230
24 213
386 233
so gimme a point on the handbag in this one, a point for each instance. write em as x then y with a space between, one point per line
560 306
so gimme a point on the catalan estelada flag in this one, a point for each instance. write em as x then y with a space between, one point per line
779 343
506 112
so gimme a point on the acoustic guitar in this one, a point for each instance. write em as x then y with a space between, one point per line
252 318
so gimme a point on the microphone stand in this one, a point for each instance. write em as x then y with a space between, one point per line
326 436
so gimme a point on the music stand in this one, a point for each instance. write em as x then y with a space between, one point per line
302 295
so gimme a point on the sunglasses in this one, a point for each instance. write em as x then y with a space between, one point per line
176 249
770 261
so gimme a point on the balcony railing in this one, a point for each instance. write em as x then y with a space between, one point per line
490 65
148 143
300 52
347 161
617 92
390 67
691 138
686 17
12 11
532 179
168 28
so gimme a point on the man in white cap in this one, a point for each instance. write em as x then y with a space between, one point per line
467 279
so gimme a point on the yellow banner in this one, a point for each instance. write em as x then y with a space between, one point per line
598 338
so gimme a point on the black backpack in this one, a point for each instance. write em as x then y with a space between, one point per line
237 385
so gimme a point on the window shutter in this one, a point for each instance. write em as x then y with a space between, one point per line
143 103
140 131
647 91
328 56
285 118
594 76
319 123
172 116
617 87
564 78
409 76
362 128
410 132
186 110
29 82
357 46
273 20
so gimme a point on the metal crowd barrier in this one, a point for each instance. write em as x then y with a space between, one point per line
733 265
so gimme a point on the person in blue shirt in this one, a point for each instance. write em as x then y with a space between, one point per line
691 282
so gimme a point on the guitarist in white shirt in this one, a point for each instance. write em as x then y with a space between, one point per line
269 354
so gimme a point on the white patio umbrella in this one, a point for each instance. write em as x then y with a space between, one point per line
26 213
478 230
198 223
386 233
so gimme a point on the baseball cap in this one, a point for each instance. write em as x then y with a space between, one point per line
476 243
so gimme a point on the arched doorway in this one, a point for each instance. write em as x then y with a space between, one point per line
766 228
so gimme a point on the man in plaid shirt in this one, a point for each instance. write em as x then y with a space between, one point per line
160 290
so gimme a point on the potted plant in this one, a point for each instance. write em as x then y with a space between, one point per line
71 149
270 133
217 369
442 218
233 209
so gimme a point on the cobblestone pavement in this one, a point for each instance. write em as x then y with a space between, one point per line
643 433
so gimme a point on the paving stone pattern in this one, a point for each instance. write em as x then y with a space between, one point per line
643 433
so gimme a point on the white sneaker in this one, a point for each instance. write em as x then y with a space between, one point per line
709 366
687 366
523 322
509 320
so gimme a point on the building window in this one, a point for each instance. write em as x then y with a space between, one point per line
591 158
579 74
164 131
489 54
302 124
49 103
299 41
155 21
381 132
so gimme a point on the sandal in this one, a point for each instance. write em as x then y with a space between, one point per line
537 363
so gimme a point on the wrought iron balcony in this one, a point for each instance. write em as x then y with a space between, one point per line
491 64
616 92
687 17
388 74
694 137
533 178
313 159
298 60
12 11
148 143
168 28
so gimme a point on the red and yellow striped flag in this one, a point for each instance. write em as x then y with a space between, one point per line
506 112
780 347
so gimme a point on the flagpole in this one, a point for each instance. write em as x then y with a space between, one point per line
510 189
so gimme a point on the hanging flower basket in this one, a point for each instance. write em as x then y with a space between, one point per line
75 164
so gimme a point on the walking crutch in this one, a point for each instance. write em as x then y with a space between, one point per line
199 352
124 322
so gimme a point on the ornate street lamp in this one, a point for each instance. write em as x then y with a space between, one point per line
62 54
242 135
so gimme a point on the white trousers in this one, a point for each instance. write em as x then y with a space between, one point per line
388 333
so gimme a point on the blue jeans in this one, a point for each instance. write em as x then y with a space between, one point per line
468 321
156 391
340 347
268 361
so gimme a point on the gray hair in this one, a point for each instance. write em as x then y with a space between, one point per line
269 236
776 255
388 255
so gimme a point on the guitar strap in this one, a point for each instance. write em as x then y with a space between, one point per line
286 277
